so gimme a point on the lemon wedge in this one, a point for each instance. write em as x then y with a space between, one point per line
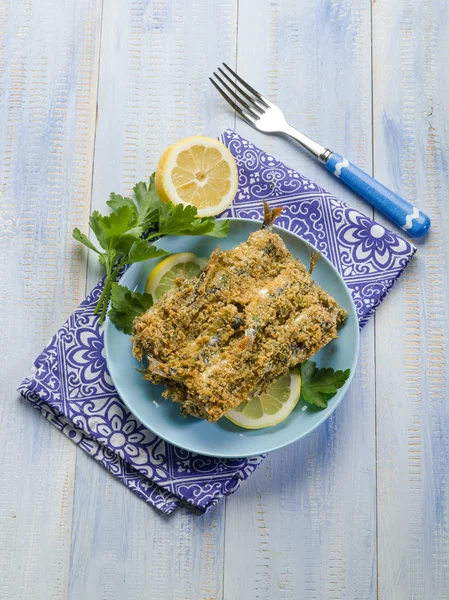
185 264
200 171
270 408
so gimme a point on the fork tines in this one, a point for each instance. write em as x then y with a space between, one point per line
250 106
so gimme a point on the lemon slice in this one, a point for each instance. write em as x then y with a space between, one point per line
270 408
199 171
185 264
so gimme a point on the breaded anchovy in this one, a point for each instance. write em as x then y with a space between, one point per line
270 215
220 338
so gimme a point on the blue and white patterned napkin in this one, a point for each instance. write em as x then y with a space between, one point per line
70 384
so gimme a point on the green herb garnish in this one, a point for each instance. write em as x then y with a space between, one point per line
124 235
126 305
318 386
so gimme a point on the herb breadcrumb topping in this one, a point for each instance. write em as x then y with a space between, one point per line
218 339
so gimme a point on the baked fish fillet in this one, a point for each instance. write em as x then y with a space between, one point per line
226 335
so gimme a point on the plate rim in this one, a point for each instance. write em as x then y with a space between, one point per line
326 414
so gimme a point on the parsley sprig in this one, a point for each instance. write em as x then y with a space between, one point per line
124 237
318 386
126 305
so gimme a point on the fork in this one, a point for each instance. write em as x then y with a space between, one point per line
265 116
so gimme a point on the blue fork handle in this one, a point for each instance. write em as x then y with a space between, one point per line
405 215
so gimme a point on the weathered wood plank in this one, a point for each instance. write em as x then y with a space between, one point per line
305 523
411 113
48 66
153 90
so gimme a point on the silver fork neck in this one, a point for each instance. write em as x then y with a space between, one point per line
320 152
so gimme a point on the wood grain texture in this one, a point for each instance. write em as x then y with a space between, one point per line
306 520
304 525
48 66
153 90
410 53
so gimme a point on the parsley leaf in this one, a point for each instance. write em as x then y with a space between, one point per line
126 305
96 224
220 229
149 203
116 201
173 219
142 250
80 237
182 220
118 222
318 386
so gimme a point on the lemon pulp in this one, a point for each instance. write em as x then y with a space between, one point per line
200 171
270 408
161 279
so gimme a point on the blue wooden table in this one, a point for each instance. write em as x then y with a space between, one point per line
91 93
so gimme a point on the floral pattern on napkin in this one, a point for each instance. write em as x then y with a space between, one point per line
70 383
369 257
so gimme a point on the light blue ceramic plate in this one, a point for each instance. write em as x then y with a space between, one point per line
224 439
